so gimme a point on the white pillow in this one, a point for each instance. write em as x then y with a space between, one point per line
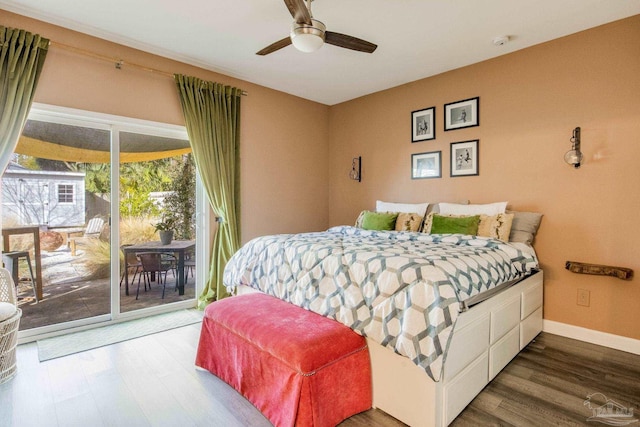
488 209
419 208
6 310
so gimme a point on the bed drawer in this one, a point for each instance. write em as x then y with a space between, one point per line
530 327
503 351
467 344
461 391
505 318
531 300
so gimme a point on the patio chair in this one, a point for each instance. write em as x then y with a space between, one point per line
11 261
93 229
189 266
153 263
9 322
131 262
189 263
172 260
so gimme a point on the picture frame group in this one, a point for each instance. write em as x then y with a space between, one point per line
464 154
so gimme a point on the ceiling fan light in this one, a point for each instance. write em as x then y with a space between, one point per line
308 38
307 42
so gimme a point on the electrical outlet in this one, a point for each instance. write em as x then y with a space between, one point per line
583 297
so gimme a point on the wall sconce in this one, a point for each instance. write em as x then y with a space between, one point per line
574 156
356 169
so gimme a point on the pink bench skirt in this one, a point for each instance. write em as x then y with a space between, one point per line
297 367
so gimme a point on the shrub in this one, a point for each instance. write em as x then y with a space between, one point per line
97 252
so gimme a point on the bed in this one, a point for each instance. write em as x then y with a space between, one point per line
443 313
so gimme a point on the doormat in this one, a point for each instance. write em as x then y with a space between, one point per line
64 345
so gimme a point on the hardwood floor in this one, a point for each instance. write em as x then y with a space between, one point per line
547 384
151 381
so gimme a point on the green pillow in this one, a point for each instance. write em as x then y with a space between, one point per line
455 225
379 220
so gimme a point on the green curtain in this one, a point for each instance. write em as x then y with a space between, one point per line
212 117
22 56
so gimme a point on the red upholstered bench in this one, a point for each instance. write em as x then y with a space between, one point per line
297 367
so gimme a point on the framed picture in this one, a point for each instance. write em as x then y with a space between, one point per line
464 158
426 165
423 124
462 114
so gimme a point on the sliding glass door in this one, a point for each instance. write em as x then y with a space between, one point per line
53 213
86 197
157 221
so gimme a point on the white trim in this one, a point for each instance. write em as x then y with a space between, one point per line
203 236
114 170
618 342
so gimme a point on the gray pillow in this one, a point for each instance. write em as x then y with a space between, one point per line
524 227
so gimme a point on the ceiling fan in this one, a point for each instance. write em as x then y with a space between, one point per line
309 34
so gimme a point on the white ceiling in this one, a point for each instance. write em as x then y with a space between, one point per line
415 38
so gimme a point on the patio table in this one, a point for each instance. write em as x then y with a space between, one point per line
179 247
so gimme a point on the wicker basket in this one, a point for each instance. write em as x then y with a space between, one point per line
8 342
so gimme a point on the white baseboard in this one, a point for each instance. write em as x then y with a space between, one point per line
617 342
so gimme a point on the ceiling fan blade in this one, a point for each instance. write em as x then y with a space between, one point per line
299 11
275 46
349 42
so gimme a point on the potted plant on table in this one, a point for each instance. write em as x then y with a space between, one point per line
165 229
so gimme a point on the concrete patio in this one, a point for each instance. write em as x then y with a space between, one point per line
69 295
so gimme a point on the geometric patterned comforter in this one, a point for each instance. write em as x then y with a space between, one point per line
401 289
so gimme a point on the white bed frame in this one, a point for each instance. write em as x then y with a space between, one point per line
486 337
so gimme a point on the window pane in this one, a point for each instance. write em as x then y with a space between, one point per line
50 183
65 193
157 185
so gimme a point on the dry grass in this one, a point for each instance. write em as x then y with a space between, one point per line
97 256
137 230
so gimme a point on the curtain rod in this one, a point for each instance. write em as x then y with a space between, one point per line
118 62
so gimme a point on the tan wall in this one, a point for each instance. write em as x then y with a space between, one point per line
284 150
530 101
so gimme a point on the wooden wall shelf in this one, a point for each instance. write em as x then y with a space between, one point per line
601 270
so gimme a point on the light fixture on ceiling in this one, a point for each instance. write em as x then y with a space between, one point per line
356 169
308 38
308 34
574 156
